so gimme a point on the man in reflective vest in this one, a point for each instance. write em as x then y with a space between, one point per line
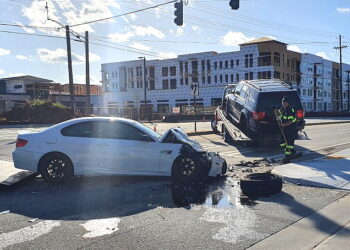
288 125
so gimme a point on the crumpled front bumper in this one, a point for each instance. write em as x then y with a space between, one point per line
218 164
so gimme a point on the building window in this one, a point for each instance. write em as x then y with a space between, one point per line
173 83
209 80
186 80
166 84
250 75
226 64
173 71
226 78
203 65
208 65
17 86
203 79
246 76
138 71
220 64
216 79
220 78
277 59
264 59
237 62
248 60
231 62
237 77
232 78
277 75
152 85
165 71
215 65
181 81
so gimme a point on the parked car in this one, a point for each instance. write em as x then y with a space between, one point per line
100 146
251 105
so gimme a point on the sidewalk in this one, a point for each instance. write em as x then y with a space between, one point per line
332 171
327 228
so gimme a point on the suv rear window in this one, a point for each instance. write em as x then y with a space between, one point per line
274 99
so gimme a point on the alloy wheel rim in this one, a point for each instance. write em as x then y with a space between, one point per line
56 168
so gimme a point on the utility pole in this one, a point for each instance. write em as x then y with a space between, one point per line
87 72
341 72
69 55
70 70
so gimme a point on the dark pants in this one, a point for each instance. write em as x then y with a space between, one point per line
289 133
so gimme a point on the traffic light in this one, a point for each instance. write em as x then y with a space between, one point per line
179 13
234 4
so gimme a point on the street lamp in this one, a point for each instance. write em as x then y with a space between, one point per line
144 81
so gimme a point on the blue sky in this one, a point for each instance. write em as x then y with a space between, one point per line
309 26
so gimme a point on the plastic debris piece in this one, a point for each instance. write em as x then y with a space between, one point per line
33 220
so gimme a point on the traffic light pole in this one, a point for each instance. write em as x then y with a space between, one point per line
70 70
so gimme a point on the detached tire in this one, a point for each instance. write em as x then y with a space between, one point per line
56 168
261 184
186 169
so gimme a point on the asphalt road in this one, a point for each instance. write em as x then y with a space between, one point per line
154 213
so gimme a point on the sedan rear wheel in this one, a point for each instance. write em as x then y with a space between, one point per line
56 168
186 169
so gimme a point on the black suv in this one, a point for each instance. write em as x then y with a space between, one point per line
250 106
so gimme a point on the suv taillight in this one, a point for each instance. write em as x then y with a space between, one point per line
258 115
21 143
300 113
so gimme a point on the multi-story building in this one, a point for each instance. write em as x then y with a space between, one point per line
18 90
169 81
80 89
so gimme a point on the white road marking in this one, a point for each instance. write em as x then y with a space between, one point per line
99 227
27 233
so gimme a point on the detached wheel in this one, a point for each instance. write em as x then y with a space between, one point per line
56 168
186 169
261 184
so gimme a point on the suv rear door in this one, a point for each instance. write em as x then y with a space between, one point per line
240 102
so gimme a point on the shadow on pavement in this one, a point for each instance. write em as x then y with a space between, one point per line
320 222
104 197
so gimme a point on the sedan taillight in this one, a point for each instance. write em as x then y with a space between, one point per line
21 143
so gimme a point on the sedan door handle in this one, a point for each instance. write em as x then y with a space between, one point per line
102 144
166 152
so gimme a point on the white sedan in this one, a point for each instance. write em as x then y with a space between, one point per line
103 145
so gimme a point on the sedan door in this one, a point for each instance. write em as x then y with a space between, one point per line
121 148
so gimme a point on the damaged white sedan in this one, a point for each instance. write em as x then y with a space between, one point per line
104 146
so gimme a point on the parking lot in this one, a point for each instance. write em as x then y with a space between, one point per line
154 212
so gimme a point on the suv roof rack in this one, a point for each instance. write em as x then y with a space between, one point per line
269 83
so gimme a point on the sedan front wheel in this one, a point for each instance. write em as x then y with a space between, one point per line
186 169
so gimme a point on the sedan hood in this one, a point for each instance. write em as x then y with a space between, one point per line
177 135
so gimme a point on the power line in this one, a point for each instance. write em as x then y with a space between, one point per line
128 13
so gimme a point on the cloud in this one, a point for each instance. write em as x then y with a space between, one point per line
4 52
180 31
234 38
167 55
343 10
60 56
24 58
64 11
15 74
28 30
136 30
140 46
2 71
323 55
294 48
81 79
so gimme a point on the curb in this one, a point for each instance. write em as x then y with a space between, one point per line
326 123
206 132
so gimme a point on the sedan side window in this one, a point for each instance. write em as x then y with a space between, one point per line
81 129
238 89
119 130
